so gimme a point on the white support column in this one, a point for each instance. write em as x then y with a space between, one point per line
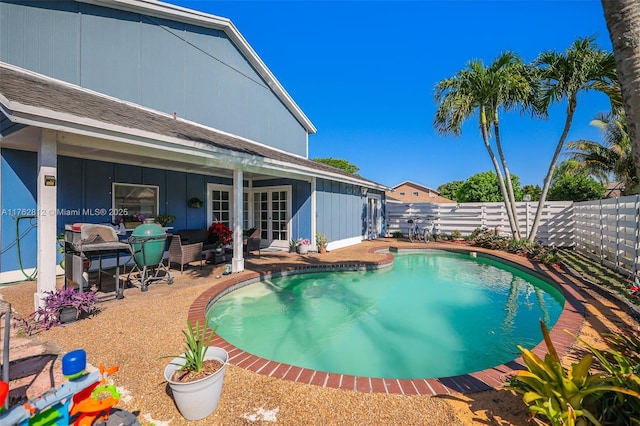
46 209
238 256
314 216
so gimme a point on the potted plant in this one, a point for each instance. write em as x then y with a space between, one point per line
303 245
195 203
165 219
130 221
321 242
64 306
220 235
293 244
195 377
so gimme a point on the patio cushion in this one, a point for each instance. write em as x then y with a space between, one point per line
191 236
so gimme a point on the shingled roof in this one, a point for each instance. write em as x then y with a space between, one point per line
22 91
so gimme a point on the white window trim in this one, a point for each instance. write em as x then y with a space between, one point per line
113 196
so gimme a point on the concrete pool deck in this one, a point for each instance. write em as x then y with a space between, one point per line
570 320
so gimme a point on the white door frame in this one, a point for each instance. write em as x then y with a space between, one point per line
269 190
374 224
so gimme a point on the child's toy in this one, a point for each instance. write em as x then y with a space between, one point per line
53 407
635 288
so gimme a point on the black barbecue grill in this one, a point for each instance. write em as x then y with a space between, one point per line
84 241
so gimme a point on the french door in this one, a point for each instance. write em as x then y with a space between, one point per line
272 213
374 217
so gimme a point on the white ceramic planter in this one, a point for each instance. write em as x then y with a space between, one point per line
196 400
303 249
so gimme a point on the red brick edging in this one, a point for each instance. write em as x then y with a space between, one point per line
570 319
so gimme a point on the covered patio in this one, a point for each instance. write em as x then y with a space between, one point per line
86 143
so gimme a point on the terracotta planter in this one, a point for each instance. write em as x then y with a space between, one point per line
322 250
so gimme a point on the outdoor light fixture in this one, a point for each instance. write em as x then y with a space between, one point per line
364 191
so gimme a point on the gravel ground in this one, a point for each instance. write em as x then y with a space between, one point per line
136 331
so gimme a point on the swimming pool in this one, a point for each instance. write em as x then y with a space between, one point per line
435 314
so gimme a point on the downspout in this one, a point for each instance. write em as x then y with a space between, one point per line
314 215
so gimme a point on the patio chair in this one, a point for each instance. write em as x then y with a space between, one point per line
252 243
184 253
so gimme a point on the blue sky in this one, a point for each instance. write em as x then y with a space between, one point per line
364 74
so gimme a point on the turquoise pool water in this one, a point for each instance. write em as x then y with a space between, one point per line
433 314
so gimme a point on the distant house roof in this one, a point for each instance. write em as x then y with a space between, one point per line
194 17
31 99
614 190
417 185
411 192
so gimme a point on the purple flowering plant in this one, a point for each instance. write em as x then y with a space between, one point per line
136 217
48 315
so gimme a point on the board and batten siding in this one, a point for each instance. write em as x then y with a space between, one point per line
86 186
556 227
340 211
173 67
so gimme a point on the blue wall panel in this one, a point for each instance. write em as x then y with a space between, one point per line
98 178
19 200
43 39
340 210
165 65
163 74
110 52
177 197
70 174
196 187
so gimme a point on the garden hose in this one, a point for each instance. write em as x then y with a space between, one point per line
18 237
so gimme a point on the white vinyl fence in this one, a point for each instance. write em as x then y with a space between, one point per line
605 230
608 231
555 226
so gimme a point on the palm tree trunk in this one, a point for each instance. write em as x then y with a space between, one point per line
485 139
552 166
623 22
511 203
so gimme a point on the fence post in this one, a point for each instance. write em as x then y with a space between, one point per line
526 224
617 234
601 231
637 248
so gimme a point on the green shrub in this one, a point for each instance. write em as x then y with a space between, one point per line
522 246
397 234
575 396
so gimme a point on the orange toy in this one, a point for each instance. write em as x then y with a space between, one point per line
88 404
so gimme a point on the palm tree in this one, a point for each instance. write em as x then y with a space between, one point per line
483 90
513 87
623 22
583 66
612 158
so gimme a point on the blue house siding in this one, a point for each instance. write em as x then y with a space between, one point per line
169 66
18 198
86 185
340 210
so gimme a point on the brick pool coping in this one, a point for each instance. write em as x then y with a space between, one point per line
570 319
